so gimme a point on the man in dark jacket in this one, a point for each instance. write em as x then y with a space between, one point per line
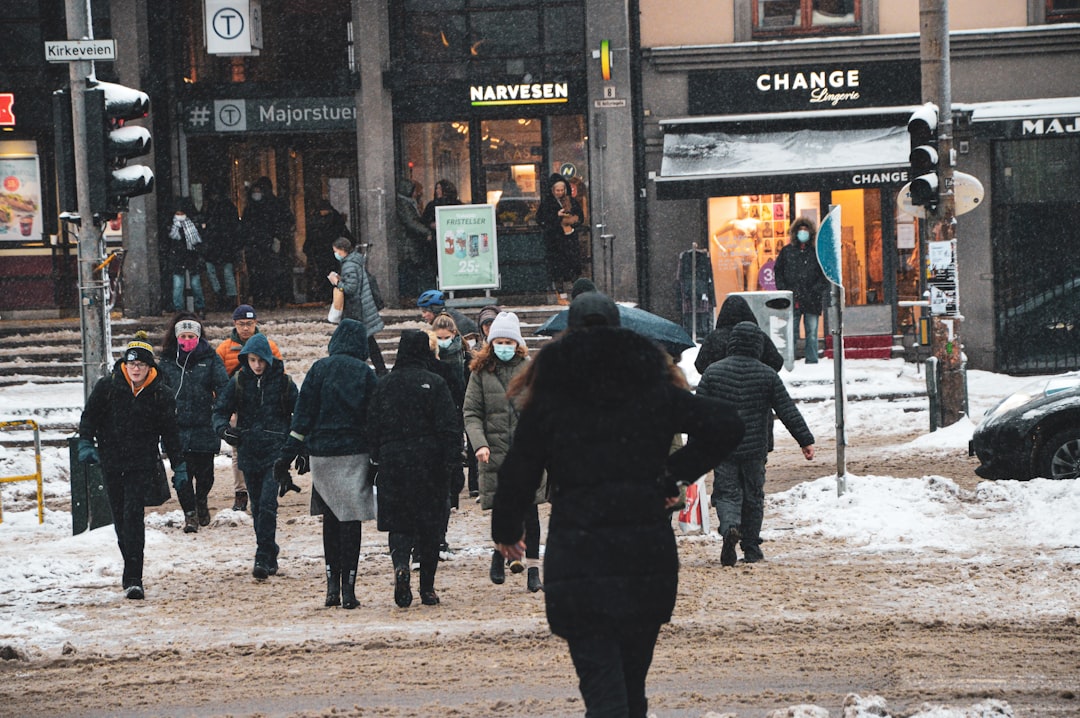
797 270
262 396
323 226
418 265
739 480
219 224
415 431
268 245
128 413
600 408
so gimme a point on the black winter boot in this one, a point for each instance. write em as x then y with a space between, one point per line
402 590
498 570
534 580
203 511
728 557
191 522
241 501
348 591
333 587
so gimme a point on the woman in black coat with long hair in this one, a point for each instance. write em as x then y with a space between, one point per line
600 407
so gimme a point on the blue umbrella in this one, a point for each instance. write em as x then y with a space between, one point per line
672 336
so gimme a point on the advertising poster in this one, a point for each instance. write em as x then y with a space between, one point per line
467 247
20 199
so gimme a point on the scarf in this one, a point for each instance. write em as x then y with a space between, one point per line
185 229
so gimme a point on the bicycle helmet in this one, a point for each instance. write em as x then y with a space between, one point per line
431 298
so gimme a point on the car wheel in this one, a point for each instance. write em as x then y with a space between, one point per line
1059 456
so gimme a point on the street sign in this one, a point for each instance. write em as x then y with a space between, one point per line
967 189
609 103
829 248
75 50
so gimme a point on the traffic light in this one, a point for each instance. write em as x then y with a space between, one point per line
922 134
110 143
64 145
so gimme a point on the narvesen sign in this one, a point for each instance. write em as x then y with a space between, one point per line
535 93
841 85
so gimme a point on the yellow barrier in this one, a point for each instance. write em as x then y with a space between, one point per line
30 477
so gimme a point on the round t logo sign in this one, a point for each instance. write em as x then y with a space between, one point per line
228 24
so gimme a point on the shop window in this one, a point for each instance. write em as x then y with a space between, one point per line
437 151
747 233
806 17
1062 10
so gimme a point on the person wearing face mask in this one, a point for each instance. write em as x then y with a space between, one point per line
196 376
353 280
490 421
797 270
267 226
185 255
324 225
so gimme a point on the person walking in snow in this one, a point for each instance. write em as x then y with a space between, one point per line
245 326
330 426
490 420
756 391
196 375
262 397
127 414
599 408
415 433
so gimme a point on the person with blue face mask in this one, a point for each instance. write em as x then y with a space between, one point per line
797 270
490 421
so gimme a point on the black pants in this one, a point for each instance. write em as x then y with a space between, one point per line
532 532
426 545
200 466
341 546
611 671
126 489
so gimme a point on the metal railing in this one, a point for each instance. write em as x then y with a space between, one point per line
28 477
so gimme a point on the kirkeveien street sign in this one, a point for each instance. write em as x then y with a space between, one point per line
74 50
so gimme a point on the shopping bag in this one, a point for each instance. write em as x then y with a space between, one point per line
694 517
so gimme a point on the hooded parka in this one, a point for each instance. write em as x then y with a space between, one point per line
415 433
263 406
715 347
601 415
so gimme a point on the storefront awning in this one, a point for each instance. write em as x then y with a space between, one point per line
783 152
1044 117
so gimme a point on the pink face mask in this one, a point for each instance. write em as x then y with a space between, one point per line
187 345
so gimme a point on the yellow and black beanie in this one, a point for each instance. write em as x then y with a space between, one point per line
139 349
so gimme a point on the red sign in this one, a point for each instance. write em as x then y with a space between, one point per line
7 117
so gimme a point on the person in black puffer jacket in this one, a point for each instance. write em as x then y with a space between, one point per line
739 480
600 407
197 376
715 347
262 396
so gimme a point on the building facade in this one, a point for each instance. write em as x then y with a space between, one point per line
710 125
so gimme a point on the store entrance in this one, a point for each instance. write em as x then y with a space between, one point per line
504 162
303 169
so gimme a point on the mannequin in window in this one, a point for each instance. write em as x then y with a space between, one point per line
744 231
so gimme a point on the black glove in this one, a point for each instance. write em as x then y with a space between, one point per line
231 435
302 463
284 478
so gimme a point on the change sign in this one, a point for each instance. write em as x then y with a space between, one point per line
468 255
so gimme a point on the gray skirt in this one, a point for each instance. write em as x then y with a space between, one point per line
341 485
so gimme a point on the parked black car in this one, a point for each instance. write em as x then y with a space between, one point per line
1032 433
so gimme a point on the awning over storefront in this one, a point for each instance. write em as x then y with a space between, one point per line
783 152
1044 117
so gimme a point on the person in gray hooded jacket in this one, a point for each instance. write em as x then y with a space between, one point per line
754 389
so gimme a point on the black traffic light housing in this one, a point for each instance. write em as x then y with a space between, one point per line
110 143
64 145
922 134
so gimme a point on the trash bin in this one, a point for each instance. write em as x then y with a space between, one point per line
89 499
774 312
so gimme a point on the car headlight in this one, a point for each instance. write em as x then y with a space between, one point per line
1009 403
